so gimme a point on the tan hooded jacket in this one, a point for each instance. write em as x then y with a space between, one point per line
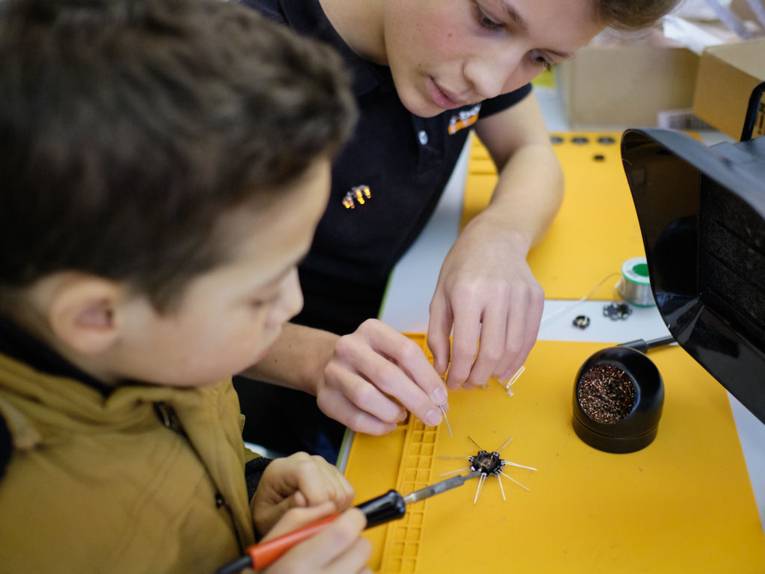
147 480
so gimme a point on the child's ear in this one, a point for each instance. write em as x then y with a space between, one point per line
82 314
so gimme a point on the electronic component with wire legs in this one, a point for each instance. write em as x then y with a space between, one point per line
490 463
487 462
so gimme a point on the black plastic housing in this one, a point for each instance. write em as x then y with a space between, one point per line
702 217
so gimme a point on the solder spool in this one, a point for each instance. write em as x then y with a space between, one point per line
634 285
638 427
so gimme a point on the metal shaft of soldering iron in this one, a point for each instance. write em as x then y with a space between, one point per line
379 510
439 487
644 346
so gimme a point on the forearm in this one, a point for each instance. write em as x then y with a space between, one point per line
528 194
529 190
297 359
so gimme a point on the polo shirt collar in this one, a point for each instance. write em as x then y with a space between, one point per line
308 18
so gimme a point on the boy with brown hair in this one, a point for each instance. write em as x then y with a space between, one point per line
164 164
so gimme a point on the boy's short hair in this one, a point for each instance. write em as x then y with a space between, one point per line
129 127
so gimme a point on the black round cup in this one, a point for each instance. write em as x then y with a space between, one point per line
638 428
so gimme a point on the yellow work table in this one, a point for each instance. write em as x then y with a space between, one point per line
683 504
596 229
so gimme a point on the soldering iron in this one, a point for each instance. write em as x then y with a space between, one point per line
379 510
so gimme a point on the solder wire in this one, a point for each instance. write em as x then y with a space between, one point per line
575 304
639 295
634 285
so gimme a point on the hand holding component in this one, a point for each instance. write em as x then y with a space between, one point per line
489 301
374 376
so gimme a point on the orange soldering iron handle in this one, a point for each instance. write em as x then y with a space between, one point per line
265 553
378 510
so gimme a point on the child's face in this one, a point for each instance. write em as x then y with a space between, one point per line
229 316
448 53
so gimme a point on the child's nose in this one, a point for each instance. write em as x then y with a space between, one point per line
492 73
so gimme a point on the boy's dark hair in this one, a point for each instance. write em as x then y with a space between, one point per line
631 14
129 127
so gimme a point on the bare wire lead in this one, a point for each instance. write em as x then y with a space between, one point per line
446 420
505 444
512 380
515 464
470 438
519 483
478 489
501 488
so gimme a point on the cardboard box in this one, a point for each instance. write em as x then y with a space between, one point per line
727 75
627 84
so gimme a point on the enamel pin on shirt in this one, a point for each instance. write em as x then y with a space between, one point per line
358 194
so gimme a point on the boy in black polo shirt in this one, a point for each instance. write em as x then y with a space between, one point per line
426 73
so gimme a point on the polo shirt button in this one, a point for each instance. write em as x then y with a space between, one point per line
422 135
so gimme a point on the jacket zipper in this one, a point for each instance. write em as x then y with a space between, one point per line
169 419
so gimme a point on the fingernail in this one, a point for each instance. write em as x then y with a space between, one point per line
402 416
432 417
439 396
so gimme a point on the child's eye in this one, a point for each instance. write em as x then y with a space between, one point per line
486 21
540 59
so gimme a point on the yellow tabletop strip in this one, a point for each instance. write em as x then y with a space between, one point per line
683 504
596 229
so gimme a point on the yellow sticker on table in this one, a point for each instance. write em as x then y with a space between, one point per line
596 229
683 504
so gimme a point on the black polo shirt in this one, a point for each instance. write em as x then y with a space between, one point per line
403 160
